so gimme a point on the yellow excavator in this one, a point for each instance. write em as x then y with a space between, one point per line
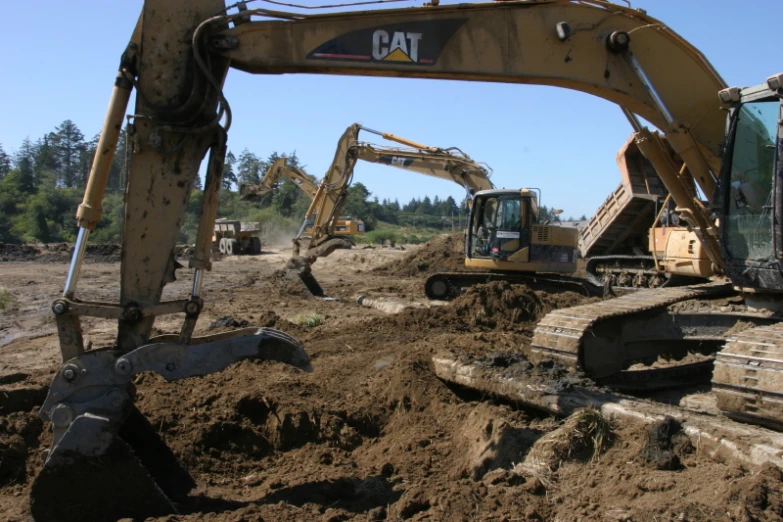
177 59
450 164
506 239
343 226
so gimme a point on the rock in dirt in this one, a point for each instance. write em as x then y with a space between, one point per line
665 444
227 321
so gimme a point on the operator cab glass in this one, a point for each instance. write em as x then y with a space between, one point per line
500 225
750 202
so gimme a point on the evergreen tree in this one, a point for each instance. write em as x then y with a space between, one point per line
425 207
86 157
250 168
117 173
229 176
45 162
70 147
26 164
5 163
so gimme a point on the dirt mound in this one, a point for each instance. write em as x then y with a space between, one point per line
62 252
445 253
498 305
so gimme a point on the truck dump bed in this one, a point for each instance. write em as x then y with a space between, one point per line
623 221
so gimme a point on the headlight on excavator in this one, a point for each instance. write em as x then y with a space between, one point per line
729 95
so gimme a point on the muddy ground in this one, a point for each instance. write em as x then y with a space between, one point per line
371 434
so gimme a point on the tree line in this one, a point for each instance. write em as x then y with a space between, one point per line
42 183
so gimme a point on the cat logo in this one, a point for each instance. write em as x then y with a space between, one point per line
395 161
412 43
403 47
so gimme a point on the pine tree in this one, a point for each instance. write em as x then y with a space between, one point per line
26 164
69 144
5 163
249 168
229 176
117 174
45 162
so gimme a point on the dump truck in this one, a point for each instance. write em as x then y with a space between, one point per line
233 237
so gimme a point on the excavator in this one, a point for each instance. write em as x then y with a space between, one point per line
445 163
177 59
280 167
507 242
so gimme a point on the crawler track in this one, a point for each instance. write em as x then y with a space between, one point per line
748 376
448 285
561 333
604 338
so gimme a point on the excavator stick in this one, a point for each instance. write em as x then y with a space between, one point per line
102 445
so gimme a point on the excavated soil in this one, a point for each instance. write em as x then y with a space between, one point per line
371 433
444 253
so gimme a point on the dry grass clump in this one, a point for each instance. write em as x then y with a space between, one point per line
310 319
5 299
586 429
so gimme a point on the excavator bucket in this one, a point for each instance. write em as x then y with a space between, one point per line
104 445
310 282
121 479
301 265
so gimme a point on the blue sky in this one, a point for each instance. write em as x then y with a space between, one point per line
59 58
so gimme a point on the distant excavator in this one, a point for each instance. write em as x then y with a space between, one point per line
505 239
343 226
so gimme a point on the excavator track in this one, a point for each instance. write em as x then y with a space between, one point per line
563 334
448 285
629 271
748 376
602 339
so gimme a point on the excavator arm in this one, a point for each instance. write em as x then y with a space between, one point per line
177 60
280 167
443 163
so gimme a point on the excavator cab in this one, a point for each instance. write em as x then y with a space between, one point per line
505 235
500 226
750 181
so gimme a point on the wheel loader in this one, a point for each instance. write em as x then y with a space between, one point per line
106 462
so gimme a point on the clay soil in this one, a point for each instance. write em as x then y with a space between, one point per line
371 433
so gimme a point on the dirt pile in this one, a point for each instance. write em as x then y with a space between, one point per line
498 305
444 253
62 252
